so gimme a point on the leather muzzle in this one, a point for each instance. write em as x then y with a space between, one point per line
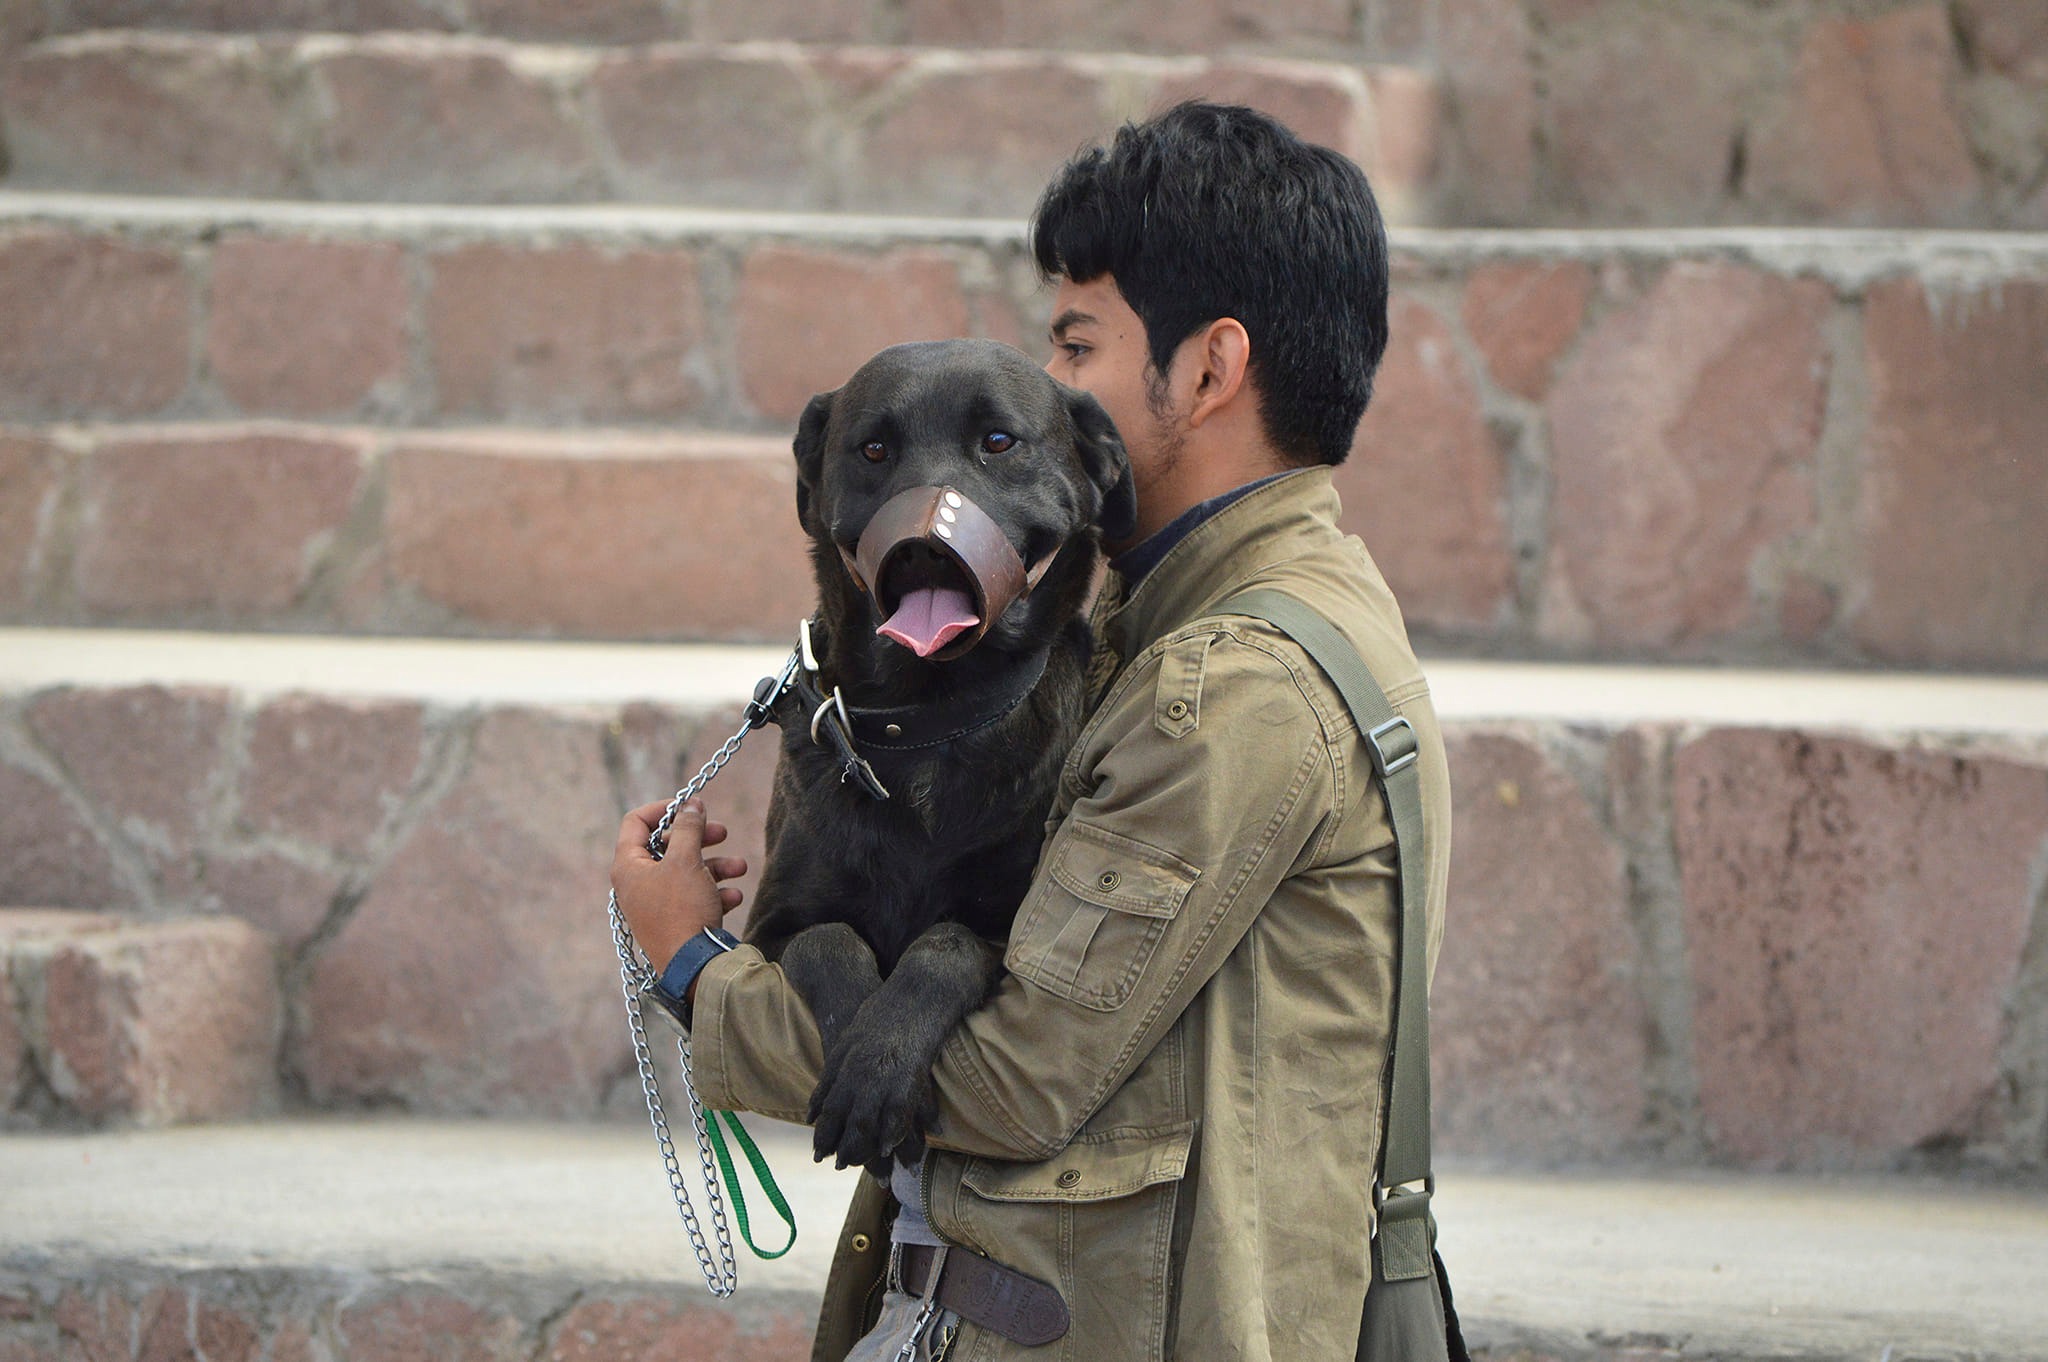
946 521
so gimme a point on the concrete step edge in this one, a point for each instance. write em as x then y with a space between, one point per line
551 55
1837 253
501 439
464 671
1703 1264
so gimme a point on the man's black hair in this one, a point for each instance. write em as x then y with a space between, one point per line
1214 210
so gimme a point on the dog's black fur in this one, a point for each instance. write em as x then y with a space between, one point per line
886 913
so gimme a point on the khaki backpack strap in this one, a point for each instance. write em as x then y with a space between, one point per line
1405 1183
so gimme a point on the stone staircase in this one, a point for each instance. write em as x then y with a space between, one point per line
384 380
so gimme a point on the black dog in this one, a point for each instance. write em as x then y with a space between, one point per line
953 493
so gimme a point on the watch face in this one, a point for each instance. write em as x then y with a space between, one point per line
655 1016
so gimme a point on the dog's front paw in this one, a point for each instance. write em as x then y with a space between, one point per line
833 971
876 1098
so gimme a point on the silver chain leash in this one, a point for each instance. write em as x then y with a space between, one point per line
637 975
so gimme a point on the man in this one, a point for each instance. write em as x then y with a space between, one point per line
1170 1110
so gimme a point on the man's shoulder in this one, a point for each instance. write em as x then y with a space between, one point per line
1339 581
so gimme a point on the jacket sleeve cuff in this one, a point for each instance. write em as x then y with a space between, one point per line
753 1044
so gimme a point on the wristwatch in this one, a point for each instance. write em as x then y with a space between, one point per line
669 987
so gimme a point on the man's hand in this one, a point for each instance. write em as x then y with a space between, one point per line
666 902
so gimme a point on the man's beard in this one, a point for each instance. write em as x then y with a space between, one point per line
1172 437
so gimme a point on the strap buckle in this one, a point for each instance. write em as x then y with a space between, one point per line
1404 1200
1401 760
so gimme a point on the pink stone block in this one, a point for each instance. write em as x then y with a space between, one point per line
426 1324
607 1327
1951 550
220 525
329 772
527 535
93 324
415 121
1646 112
1490 83
711 125
152 1023
1523 315
1539 1034
1855 916
307 327
1426 484
565 333
1871 131
149 113
1682 444
477 974
146 758
961 138
790 347
49 852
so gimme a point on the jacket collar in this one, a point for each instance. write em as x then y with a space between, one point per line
1276 521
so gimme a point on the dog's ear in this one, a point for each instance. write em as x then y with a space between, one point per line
1102 455
810 456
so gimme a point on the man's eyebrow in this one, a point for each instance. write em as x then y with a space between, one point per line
1073 316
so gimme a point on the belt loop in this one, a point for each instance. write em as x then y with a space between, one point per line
931 1283
892 1276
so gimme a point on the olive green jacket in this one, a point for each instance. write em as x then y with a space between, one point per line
1171 1107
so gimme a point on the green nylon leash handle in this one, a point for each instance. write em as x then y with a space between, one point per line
761 1175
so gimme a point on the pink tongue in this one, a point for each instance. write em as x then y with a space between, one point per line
928 618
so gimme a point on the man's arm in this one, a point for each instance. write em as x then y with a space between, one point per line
1141 894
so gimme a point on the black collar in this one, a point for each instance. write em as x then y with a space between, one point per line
899 730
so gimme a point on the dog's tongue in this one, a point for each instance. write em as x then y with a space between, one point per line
929 618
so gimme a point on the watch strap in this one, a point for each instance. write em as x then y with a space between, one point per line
672 986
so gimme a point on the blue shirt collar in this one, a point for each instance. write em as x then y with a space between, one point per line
1134 562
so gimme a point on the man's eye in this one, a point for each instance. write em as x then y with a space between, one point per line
1074 349
998 442
875 451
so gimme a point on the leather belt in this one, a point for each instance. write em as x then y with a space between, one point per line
1020 1308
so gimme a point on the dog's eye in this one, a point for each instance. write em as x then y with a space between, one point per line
875 451
998 442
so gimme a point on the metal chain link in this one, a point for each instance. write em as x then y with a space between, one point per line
637 975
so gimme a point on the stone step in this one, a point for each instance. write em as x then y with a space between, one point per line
104 1019
558 1243
426 532
1598 112
1752 446
420 117
1769 919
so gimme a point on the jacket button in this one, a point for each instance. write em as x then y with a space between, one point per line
1110 879
1070 1177
1177 710
860 1243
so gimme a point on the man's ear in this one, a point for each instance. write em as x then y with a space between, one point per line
810 456
1103 458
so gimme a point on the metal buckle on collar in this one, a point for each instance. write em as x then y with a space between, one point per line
833 701
1401 761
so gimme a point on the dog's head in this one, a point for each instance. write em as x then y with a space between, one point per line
945 482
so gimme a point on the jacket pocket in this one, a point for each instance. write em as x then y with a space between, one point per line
1095 1221
1092 1168
1092 923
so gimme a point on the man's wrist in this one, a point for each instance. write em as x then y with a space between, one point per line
675 989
